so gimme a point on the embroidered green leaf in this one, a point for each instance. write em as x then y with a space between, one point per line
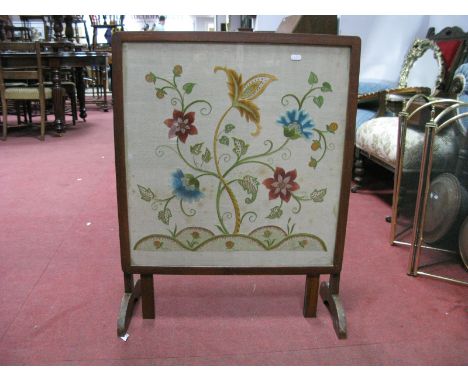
275 213
250 185
224 140
318 195
240 147
188 87
192 243
318 100
165 215
228 128
221 229
174 232
196 148
313 79
206 156
326 87
146 193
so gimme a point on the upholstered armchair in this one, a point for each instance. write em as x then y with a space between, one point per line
429 69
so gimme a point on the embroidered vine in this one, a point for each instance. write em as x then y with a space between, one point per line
200 161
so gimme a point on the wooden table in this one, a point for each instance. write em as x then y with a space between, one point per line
57 61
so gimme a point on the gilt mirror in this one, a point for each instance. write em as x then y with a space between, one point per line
423 66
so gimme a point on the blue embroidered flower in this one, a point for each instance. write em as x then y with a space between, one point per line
296 124
186 186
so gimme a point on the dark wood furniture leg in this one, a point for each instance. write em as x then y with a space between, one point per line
105 106
329 293
131 295
80 92
147 296
311 295
358 171
57 96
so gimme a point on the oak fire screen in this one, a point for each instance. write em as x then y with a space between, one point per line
233 156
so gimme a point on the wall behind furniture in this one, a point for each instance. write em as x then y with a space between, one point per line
385 40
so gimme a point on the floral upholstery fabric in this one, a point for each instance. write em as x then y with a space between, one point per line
364 115
379 137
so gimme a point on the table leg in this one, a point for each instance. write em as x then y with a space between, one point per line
57 97
104 82
80 92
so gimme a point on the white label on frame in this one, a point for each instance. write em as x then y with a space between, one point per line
296 57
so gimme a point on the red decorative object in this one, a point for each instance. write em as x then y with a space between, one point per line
449 49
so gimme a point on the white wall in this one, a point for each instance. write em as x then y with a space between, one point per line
268 23
385 40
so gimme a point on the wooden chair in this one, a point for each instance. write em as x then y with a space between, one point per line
14 33
38 92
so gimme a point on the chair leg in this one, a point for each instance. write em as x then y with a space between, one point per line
358 171
73 106
5 119
43 112
18 112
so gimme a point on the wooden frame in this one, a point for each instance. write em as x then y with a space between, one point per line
329 291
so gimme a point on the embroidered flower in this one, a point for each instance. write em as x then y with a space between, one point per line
150 77
282 184
181 125
229 244
177 70
296 124
332 127
186 186
160 93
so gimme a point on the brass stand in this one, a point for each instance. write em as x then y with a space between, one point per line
432 128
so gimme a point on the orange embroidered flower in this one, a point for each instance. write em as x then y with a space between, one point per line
332 127
315 145
229 244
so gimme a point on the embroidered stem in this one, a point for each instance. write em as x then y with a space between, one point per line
234 202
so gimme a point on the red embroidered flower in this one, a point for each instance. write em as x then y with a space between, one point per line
282 184
181 125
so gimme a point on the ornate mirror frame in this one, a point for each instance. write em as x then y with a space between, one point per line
416 52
